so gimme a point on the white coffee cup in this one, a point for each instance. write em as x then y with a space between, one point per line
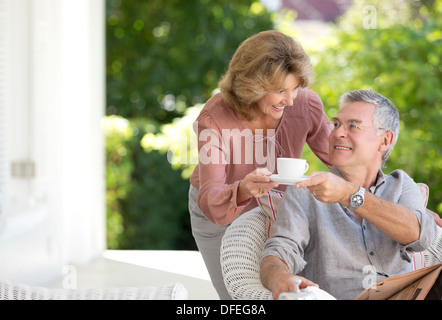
291 167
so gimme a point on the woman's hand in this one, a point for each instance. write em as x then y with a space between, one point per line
255 184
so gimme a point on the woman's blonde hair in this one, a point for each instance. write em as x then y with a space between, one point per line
261 64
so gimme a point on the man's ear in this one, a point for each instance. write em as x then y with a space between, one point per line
387 139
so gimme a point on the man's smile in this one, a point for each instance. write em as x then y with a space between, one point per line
343 148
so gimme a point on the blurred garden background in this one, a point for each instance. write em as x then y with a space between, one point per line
164 59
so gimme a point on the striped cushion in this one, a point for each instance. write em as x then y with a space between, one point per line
269 203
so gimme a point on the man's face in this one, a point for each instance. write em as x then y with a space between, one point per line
353 140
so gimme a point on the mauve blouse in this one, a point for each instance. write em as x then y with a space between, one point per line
228 151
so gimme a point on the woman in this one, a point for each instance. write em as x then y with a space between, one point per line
263 112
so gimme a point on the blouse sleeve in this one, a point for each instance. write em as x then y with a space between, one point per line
216 198
317 138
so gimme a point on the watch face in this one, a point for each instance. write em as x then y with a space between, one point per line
357 200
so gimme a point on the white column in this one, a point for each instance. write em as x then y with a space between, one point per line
55 102
81 147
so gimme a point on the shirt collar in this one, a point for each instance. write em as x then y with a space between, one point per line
380 180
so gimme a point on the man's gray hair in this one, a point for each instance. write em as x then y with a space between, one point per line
385 117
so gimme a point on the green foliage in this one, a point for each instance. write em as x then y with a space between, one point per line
402 62
179 141
155 211
118 174
165 55
146 198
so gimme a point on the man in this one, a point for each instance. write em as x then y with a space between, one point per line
350 227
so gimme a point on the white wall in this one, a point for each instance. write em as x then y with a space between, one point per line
53 105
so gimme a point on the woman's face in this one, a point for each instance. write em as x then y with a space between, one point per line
274 102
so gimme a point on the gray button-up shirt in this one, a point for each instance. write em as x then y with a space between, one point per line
325 243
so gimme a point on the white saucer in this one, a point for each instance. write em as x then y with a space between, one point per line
281 180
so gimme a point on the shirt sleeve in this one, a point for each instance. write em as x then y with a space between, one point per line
411 198
317 138
216 198
291 231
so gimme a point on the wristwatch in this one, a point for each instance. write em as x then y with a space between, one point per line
357 199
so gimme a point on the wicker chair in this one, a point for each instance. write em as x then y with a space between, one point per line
14 291
241 247
244 240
